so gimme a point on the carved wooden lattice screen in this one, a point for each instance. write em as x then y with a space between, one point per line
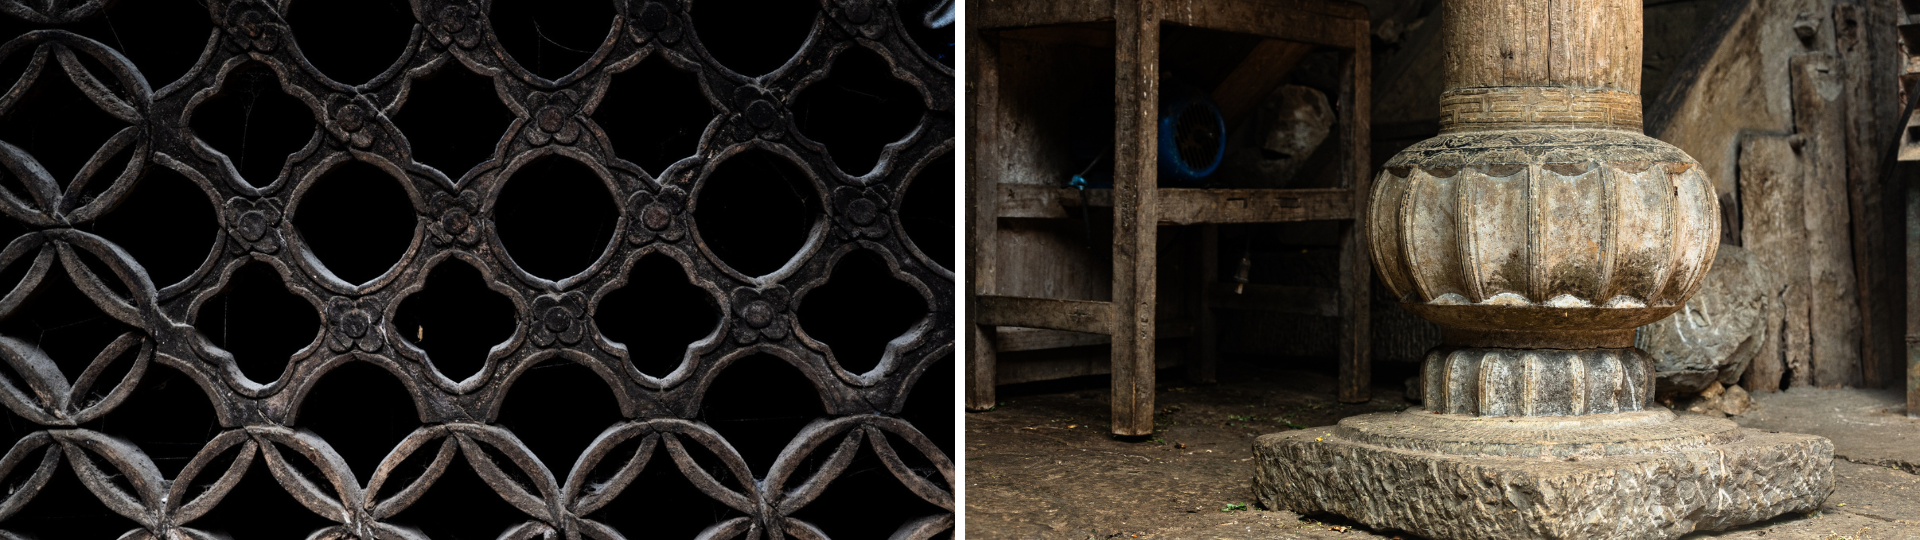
601 282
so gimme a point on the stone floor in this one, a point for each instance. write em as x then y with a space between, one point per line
1040 465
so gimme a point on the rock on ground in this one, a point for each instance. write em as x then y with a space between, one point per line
1719 331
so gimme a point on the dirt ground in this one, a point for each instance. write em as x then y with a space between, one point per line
1041 465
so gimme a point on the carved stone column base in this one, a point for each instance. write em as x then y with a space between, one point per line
1637 475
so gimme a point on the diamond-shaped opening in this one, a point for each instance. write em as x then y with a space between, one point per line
654 114
363 411
453 119
657 315
857 110
62 322
860 309
759 403
352 41
753 37
168 223
926 210
661 502
555 217
930 24
755 211
259 507
58 125
254 123
461 506
168 416
64 508
259 321
866 500
929 405
557 409
163 38
357 220
468 319
551 42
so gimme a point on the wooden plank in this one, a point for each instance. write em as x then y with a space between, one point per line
1356 268
1905 174
1773 226
1203 357
1191 206
1317 301
1017 339
983 108
1819 112
1096 35
1052 313
1256 77
1136 96
1318 22
994 14
1053 365
1868 78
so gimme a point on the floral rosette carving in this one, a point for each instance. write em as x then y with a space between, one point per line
655 21
657 215
354 325
760 314
457 23
453 221
355 121
863 212
859 17
254 225
756 114
254 26
561 318
553 118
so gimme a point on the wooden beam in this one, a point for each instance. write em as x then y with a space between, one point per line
1069 315
997 14
983 107
1136 78
1316 301
1096 35
1016 339
1069 364
1191 206
1330 24
1186 206
1256 77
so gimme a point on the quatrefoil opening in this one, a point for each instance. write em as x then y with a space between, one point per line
256 320
925 210
380 32
168 223
737 401
357 219
552 43
658 316
362 411
756 211
654 114
453 119
555 217
861 108
456 319
863 313
752 37
254 124
556 409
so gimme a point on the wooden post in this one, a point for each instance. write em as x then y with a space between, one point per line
983 91
1356 269
1834 314
1136 59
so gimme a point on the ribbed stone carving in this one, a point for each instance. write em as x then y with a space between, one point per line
1536 382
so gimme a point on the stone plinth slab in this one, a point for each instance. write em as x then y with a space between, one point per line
1730 481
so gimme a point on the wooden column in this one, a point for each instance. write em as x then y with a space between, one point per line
983 94
1136 28
1356 270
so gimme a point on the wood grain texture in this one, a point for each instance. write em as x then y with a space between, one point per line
983 108
1774 230
1049 313
1580 43
1136 84
1868 79
1819 111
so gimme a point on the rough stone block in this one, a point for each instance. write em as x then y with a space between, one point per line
1639 495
